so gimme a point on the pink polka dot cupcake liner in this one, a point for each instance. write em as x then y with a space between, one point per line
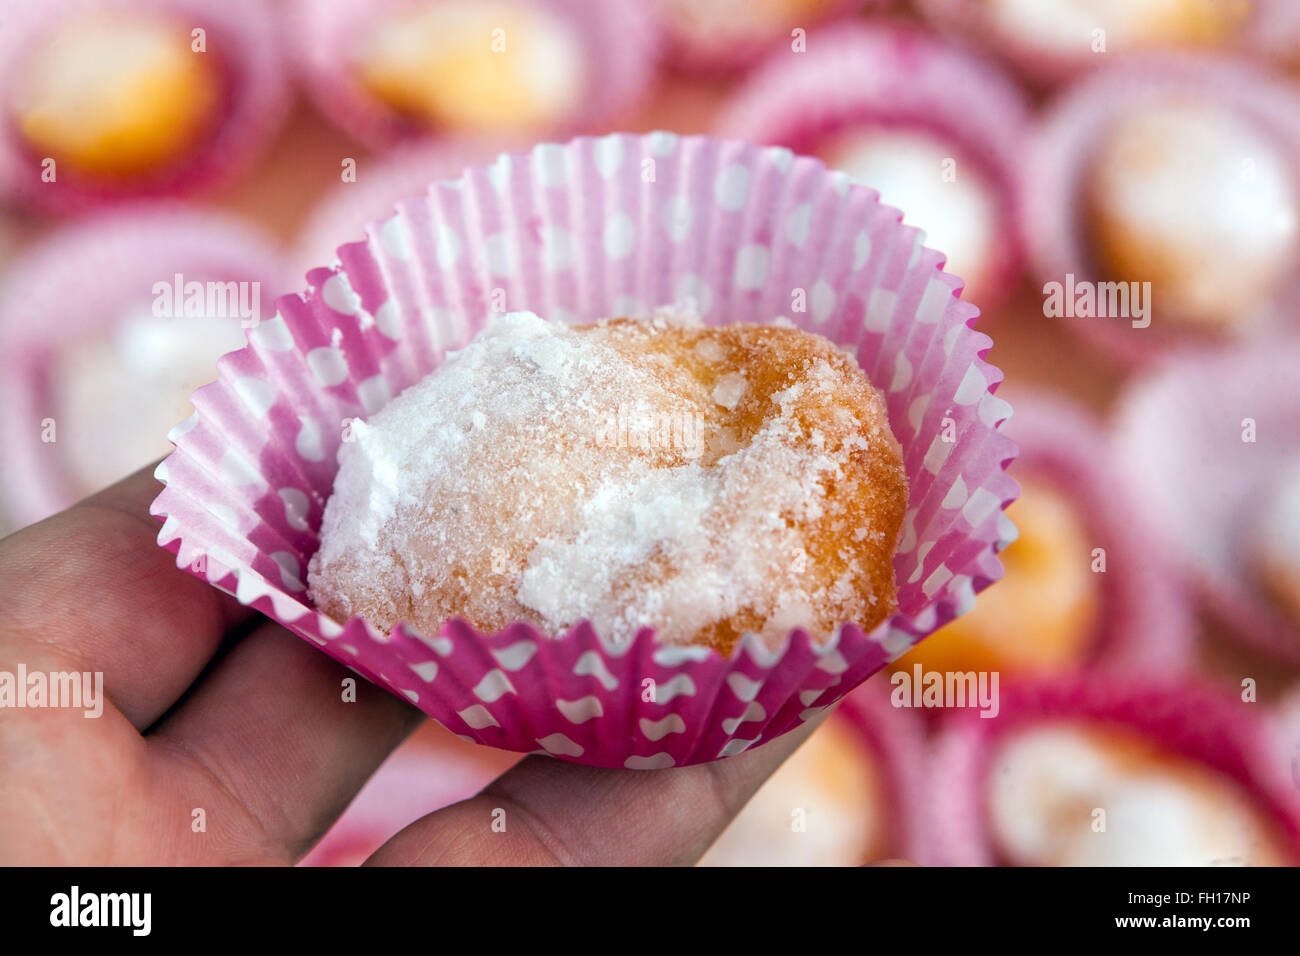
598 227
721 38
1204 440
1063 148
240 43
1270 29
403 171
1145 619
88 279
617 43
889 78
1188 719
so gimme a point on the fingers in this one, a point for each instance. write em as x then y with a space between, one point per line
546 812
90 590
269 729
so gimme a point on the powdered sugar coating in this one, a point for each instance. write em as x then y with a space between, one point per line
701 481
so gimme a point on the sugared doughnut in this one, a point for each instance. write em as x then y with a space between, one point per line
441 64
118 94
1200 203
962 218
117 391
1047 783
706 482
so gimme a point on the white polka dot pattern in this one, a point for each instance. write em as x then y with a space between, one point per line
585 230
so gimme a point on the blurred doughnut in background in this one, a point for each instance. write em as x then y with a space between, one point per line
1233 533
936 129
1178 178
1089 771
112 99
403 68
1083 585
1053 40
106 328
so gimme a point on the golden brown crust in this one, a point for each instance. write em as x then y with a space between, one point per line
873 491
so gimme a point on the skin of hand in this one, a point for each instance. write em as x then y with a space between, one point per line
210 706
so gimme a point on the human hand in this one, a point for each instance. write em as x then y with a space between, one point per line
214 713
